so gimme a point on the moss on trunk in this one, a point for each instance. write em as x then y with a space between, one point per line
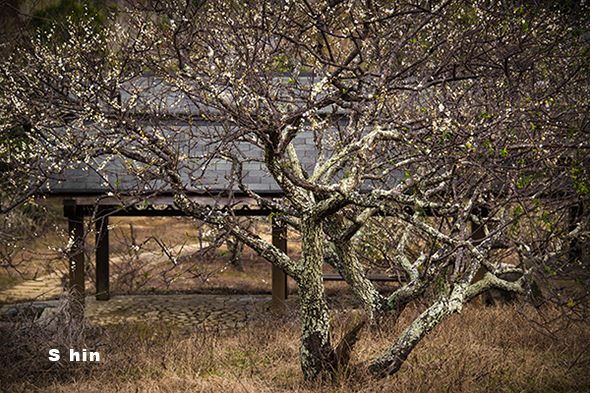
315 335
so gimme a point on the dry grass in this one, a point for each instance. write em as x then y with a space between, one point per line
481 350
492 349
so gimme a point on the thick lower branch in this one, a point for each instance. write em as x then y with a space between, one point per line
342 257
490 281
392 359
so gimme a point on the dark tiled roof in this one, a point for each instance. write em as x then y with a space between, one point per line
87 179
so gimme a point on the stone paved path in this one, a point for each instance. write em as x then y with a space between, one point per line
194 310
190 311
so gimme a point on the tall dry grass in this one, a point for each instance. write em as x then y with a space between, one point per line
481 350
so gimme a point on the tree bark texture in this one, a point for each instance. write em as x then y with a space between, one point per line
315 336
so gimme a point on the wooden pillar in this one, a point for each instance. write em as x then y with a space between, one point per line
279 278
478 231
75 217
477 234
575 250
102 258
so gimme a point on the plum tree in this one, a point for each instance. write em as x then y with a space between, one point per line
448 138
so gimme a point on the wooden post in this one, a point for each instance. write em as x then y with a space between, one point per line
477 234
75 217
478 231
575 249
279 278
102 258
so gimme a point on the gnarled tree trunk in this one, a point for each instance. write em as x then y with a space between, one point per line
315 346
